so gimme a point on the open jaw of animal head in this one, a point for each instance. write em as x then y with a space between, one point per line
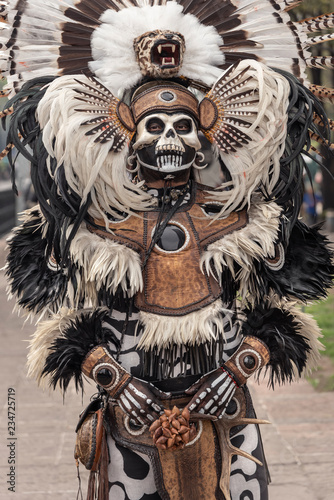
159 52
167 142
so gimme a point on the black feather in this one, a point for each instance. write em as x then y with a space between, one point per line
303 106
68 352
279 330
308 270
60 206
31 280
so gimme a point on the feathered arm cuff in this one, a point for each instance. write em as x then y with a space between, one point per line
306 271
34 280
61 344
291 337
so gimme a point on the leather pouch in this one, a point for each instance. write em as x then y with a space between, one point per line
90 432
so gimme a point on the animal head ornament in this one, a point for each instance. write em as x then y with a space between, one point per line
159 53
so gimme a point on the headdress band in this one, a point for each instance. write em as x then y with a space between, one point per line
164 98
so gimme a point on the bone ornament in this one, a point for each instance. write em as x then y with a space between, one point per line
213 392
135 397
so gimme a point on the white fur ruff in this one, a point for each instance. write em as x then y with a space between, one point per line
311 331
253 242
104 264
112 44
193 328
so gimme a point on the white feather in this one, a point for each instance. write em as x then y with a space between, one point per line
90 167
112 44
257 163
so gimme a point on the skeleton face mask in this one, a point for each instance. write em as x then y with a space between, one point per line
167 143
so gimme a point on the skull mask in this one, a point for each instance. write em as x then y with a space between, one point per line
167 142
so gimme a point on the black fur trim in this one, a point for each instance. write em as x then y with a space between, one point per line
279 330
69 351
308 271
35 285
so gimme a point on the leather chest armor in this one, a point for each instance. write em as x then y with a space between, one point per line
174 284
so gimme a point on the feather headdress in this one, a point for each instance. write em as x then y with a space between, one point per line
69 37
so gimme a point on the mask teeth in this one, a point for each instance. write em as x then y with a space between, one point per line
174 160
179 160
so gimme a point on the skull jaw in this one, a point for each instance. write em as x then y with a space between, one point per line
170 162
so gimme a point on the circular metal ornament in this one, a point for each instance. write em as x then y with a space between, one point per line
167 96
240 364
112 369
174 239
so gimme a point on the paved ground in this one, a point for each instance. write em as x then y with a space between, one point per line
299 443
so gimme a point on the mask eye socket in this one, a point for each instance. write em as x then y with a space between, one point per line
183 126
155 126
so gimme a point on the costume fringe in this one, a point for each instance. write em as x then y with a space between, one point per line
193 328
98 484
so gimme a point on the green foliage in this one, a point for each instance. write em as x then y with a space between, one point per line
323 312
310 8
